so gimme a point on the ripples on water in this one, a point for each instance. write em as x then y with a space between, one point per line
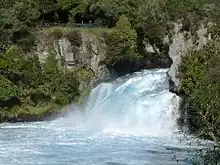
131 121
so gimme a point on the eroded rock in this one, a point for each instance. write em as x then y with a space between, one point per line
181 43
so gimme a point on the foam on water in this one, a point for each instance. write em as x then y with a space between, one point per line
131 121
138 105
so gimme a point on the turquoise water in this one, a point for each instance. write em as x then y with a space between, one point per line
131 121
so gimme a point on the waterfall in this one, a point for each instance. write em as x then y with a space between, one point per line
138 104
130 121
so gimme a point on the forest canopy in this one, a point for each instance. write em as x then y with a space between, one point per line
18 18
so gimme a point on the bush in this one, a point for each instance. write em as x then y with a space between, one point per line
25 81
200 84
121 44
61 85
7 90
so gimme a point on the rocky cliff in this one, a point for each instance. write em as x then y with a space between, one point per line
74 49
181 42
84 49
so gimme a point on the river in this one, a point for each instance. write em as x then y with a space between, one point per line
130 121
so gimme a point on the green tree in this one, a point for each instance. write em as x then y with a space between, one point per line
121 44
7 90
16 21
76 6
6 3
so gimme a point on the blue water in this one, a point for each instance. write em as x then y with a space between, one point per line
131 121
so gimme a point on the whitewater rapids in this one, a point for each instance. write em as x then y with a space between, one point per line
130 121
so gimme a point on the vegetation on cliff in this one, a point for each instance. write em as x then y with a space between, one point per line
151 19
200 89
121 47
25 83
200 83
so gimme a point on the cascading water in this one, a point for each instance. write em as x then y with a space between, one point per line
139 105
131 121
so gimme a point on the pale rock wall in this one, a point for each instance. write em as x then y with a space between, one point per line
88 55
180 44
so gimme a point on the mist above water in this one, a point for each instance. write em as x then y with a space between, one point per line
130 121
140 104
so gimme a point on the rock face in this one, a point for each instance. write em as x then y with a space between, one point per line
88 55
181 43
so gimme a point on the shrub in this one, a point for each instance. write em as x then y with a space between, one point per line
33 85
7 89
121 44
200 83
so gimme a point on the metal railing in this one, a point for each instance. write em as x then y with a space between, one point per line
77 25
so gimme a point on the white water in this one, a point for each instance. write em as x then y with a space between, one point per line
137 105
131 121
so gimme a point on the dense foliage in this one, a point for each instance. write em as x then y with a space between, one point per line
200 83
121 44
24 82
150 18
